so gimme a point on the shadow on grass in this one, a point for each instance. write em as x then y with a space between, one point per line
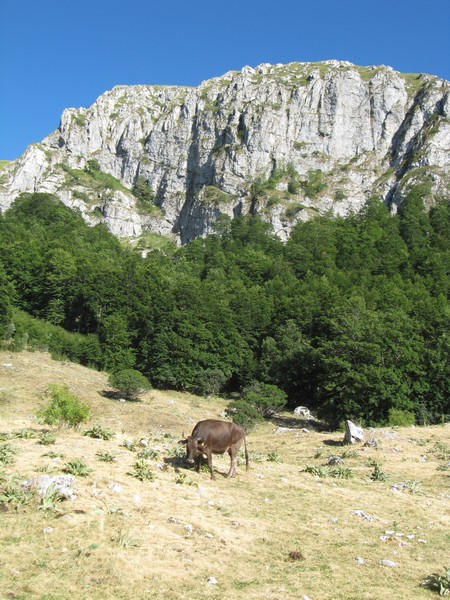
297 423
111 395
179 465
333 442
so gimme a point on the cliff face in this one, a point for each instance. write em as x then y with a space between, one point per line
285 141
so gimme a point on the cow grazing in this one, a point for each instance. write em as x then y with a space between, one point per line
214 437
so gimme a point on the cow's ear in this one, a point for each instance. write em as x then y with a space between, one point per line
182 441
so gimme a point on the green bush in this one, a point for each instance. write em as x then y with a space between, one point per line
77 467
400 418
209 381
64 408
100 433
244 414
314 184
130 383
259 400
47 438
265 398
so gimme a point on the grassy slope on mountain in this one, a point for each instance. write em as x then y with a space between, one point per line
275 532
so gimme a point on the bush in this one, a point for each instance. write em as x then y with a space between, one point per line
99 433
209 381
400 418
265 398
244 414
314 184
130 383
64 408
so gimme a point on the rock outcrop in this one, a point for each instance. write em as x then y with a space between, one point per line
285 141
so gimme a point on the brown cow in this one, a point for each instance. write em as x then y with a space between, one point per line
214 437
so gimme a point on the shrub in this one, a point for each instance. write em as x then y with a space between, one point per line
244 414
142 191
130 383
64 408
340 195
47 438
209 381
50 498
400 418
293 186
439 583
264 398
99 433
258 400
77 467
314 184
6 454
142 470
106 457
14 494
377 473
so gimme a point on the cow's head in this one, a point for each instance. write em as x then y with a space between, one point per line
195 447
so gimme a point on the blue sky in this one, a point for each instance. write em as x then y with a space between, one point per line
57 54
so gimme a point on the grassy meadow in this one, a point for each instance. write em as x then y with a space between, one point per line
289 528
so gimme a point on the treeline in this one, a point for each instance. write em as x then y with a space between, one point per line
350 317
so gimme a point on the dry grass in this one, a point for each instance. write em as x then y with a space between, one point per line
275 532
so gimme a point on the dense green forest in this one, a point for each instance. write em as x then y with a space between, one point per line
350 317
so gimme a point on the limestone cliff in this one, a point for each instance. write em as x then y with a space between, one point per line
285 141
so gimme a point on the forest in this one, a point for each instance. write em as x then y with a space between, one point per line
350 317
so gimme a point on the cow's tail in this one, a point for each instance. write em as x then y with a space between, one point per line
246 454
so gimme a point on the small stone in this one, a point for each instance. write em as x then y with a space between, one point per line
115 487
360 560
363 515
212 581
174 520
388 563
47 529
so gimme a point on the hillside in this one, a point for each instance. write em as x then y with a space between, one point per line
284 141
275 531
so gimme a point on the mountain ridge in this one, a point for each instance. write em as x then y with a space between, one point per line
284 141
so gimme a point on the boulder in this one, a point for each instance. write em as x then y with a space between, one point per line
353 433
302 411
63 484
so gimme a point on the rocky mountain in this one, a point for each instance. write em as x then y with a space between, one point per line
285 141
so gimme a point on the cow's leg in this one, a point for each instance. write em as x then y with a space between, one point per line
209 457
233 462
198 462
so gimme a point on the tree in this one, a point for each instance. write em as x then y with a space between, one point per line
130 383
6 295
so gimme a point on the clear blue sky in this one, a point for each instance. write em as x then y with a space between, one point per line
57 54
